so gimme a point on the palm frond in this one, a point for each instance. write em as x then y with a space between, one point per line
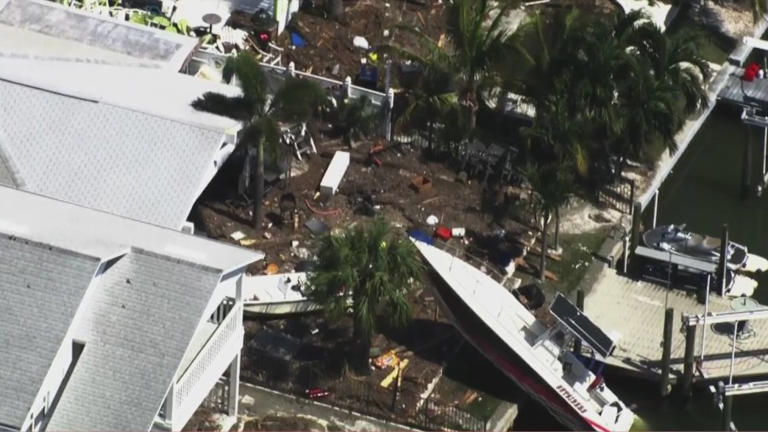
235 107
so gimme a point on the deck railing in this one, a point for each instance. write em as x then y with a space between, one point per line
209 357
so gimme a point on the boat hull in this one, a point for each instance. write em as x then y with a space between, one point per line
508 361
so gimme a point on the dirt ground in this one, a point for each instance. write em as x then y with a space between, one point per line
386 188
330 42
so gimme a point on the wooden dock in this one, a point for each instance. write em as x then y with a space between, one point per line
739 92
634 309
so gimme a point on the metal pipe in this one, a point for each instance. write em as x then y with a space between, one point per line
655 206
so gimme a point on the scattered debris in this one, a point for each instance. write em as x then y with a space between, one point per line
316 226
333 175
237 235
432 220
422 185
458 232
443 233
271 269
360 42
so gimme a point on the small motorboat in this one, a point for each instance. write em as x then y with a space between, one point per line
675 239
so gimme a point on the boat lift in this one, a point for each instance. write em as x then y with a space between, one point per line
724 392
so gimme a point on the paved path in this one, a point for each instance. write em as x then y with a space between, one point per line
635 310
258 402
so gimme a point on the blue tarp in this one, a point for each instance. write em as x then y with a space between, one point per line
297 40
421 236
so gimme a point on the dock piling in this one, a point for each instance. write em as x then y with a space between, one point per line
666 355
727 413
690 344
722 268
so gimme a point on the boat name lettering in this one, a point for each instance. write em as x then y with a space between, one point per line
571 398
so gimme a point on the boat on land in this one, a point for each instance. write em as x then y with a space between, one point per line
278 294
531 349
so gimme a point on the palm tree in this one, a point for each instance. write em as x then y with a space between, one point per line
294 101
354 119
475 46
677 60
365 271
431 99
552 185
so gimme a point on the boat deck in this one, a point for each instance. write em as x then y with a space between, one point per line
635 311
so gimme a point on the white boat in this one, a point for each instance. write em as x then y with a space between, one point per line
530 351
279 294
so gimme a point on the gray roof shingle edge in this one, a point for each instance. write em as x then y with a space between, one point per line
42 287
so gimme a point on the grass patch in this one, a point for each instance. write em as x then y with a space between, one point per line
578 250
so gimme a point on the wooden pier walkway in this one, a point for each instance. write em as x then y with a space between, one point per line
745 93
635 311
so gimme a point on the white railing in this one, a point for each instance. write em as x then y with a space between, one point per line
203 367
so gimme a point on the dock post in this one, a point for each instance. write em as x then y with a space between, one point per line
690 344
727 412
666 355
580 306
722 268
637 212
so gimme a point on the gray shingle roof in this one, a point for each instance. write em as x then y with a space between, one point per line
45 28
144 314
41 288
96 233
119 139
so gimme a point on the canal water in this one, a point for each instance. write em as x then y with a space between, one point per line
704 191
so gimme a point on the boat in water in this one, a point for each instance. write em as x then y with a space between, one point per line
675 239
531 351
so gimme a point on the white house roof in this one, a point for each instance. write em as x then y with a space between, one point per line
103 235
143 317
41 288
137 323
119 139
45 29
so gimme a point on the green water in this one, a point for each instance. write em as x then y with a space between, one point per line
704 192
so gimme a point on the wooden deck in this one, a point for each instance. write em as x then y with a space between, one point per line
635 310
740 92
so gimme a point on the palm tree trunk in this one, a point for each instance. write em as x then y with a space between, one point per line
543 262
361 350
258 200
557 228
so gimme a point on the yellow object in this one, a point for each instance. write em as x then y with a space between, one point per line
389 358
247 242
383 244
396 372
373 56
272 268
